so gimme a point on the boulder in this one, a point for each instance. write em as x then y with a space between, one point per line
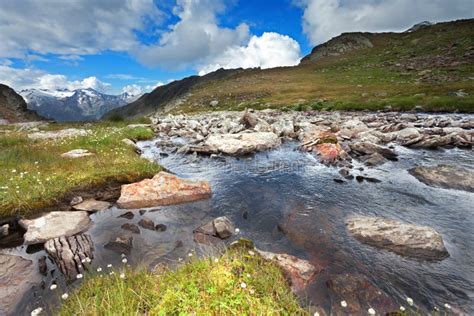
64 133
121 244
147 223
373 160
249 120
223 226
77 153
284 128
242 144
131 227
330 153
444 176
299 272
163 189
364 148
76 200
404 239
92 205
53 225
17 277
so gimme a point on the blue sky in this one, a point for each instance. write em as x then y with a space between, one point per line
135 45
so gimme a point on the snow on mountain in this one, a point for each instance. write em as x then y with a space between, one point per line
74 105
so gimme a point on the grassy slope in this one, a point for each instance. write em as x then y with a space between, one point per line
33 175
363 79
200 287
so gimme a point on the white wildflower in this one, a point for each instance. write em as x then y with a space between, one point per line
65 296
316 314
109 265
237 230
122 255
88 260
79 276
122 275
190 254
216 260
124 260
99 269
447 306
251 291
410 301
36 311
402 308
243 285
53 287
343 303
371 311
251 253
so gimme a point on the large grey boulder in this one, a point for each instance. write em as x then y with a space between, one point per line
53 225
242 144
444 176
364 148
404 239
17 277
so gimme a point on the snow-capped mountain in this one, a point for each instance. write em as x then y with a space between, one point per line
73 105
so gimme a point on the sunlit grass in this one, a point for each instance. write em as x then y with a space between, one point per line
34 175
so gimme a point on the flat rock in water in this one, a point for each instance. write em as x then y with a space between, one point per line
365 148
92 205
121 244
17 277
77 153
69 253
147 223
163 189
242 144
404 239
131 227
300 272
444 176
53 225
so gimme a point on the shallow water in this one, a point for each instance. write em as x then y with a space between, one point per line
286 201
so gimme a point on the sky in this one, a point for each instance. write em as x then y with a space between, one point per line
133 46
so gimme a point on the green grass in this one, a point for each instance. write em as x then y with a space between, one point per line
199 287
34 175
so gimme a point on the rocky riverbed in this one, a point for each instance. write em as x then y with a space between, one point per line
318 189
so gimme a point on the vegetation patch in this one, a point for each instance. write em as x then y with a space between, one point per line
34 175
238 283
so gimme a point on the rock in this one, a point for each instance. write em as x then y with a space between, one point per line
53 225
64 133
362 148
242 144
160 227
249 120
121 244
330 153
373 160
129 142
131 227
17 277
92 205
214 103
223 226
403 135
284 128
338 181
127 215
147 223
76 200
4 230
77 153
444 176
429 142
163 189
404 239
299 272
42 266
70 253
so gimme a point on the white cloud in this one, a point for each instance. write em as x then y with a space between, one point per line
132 89
152 87
30 78
194 37
72 27
266 51
324 19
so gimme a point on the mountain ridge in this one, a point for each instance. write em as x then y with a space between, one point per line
13 107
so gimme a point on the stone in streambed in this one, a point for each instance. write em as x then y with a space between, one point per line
131 227
147 223
127 215
404 239
163 189
17 277
365 148
444 176
53 225
224 228
92 205
242 144
160 227
219 228
121 244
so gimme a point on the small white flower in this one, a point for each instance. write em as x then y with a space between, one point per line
447 306
190 254
180 259
99 269
36 311
410 301
316 314
402 308
243 285
88 260
237 230
371 311
251 291
79 276
122 275
343 303
14 171
83 260
436 308
251 253
111 273
65 296
216 260
109 265
53 287
122 255
124 260
248 275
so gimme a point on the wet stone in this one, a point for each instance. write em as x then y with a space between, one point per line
131 227
147 223
121 244
127 215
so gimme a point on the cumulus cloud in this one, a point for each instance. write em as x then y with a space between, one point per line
72 27
30 78
266 51
194 37
324 19
132 89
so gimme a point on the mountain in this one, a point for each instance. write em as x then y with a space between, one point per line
428 67
73 105
12 106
